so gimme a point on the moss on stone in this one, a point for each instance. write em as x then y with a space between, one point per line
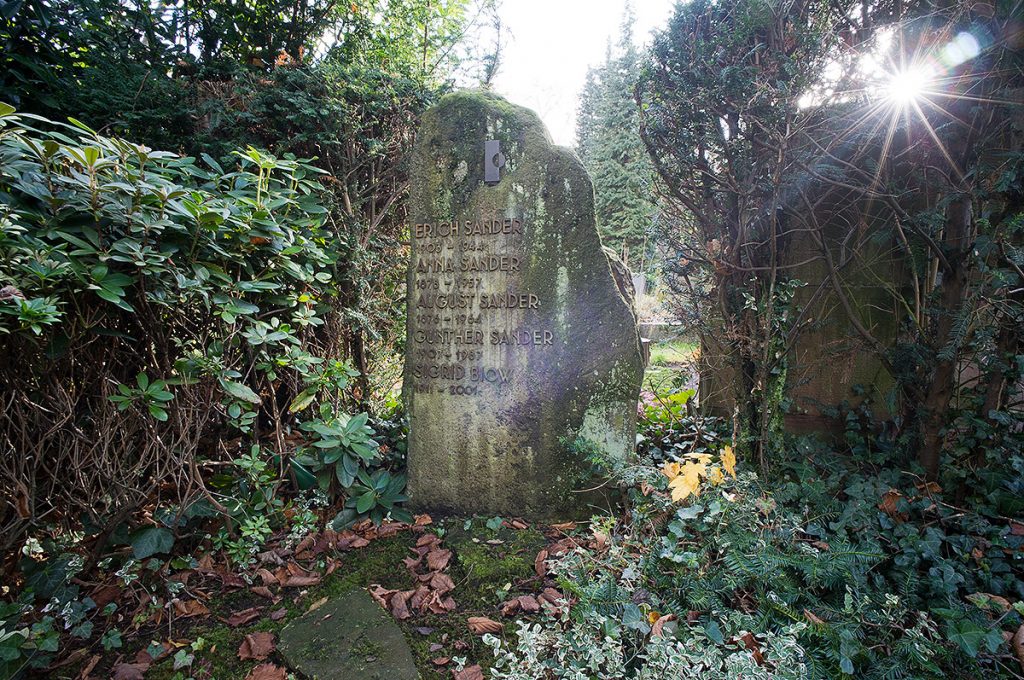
380 562
500 452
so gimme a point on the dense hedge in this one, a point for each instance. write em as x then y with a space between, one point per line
154 309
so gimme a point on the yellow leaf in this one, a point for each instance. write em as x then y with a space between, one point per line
685 484
700 469
670 470
704 458
653 616
729 460
716 476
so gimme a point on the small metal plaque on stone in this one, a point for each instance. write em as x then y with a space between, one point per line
494 161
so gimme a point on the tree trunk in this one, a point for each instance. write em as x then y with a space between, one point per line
357 347
940 388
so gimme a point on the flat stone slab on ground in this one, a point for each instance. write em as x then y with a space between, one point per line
349 637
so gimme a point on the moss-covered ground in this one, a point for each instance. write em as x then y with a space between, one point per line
489 566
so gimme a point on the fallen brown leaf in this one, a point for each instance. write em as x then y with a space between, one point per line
270 557
381 594
469 673
256 646
243 617
130 671
419 597
301 581
564 526
750 642
890 503
440 661
528 603
438 604
143 656
190 608
319 603
104 595
278 615
423 520
399 604
551 596
540 564
989 601
561 547
305 544
442 583
658 629
267 671
480 625
73 657
812 618
231 580
438 559
263 592
427 539
87 668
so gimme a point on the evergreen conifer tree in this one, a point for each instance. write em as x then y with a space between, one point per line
608 142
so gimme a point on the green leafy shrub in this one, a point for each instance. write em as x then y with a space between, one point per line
668 426
155 309
835 572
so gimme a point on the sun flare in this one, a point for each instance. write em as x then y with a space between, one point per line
909 85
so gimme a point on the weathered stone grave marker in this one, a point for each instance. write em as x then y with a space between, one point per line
520 341
348 637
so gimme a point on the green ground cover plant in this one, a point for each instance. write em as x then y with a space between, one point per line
837 566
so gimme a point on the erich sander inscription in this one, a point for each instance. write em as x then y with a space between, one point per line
522 351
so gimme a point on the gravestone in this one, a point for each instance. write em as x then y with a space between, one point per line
522 355
348 637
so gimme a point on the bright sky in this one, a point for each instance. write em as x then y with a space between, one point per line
553 42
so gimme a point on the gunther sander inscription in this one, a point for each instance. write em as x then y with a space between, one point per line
521 348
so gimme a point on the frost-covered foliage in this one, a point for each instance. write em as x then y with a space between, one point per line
585 650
